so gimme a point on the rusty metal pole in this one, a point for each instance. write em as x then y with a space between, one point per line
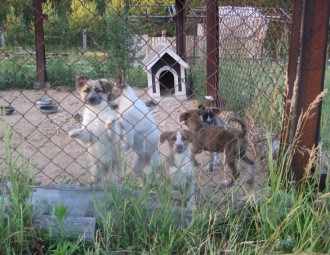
40 46
311 76
180 29
212 53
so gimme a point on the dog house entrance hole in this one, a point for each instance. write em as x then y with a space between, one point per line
166 82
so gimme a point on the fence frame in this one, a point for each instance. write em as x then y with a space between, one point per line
309 25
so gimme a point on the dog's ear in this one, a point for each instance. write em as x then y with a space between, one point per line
189 134
199 111
106 85
184 116
164 136
81 80
216 110
114 93
202 107
120 81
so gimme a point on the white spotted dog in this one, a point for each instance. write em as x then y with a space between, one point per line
140 127
210 115
181 163
100 131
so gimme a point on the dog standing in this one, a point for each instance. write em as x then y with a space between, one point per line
141 131
231 141
100 131
210 117
180 164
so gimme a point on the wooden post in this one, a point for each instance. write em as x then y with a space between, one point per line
3 38
84 204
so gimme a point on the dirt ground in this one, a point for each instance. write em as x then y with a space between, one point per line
44 142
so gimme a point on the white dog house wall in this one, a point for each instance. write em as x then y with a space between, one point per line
166 72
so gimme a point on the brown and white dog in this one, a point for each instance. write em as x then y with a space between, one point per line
231 141
100 130
180 164
140 127
210 115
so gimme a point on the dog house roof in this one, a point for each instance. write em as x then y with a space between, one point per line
158 52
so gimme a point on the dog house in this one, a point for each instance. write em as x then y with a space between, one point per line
166 72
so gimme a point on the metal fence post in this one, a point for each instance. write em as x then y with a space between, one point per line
212 53
311 76
40 46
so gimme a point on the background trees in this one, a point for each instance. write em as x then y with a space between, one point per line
67 18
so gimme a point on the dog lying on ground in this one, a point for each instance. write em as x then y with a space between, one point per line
180 164
100 131
210 115
141 131
231 141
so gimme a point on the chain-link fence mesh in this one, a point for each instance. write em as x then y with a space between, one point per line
101 39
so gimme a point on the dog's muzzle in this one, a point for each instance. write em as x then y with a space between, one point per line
208 120
179 148
93 98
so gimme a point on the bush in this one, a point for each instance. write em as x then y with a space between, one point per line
119 45
17 74
59 73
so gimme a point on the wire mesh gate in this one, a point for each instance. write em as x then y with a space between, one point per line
82 37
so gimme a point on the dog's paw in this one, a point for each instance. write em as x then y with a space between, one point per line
109 124
228 183
75 133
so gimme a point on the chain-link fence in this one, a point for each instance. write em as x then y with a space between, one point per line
101 39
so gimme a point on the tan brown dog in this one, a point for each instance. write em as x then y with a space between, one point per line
216 139
210 115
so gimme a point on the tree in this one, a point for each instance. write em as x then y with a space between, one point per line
119 43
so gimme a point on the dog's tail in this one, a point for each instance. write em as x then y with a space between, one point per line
242 123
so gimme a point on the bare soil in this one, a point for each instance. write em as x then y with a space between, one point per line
43 141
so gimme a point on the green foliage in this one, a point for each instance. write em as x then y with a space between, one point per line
325 117
21 8
56 28
16 234
237 82
119 44
137 77
241 82
17 30
59 73
17 73
57 243
276 219
197 79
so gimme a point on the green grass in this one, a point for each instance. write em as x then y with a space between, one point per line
246 86
20 72
278 219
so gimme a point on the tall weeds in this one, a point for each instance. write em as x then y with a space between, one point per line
16 233
275 219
